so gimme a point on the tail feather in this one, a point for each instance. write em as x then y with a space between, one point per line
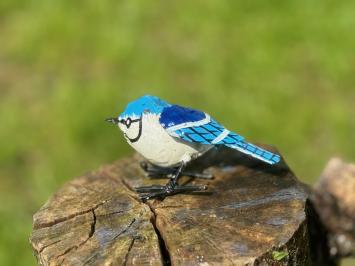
256 152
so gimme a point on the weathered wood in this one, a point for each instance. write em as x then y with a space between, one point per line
95 219
334 199
252 214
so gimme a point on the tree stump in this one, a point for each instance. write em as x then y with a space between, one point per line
334 199
252 214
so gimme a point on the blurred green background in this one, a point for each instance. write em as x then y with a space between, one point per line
278 72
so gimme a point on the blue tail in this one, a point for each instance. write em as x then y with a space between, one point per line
255 152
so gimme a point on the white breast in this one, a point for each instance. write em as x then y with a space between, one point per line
158 147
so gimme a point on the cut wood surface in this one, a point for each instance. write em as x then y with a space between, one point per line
251 214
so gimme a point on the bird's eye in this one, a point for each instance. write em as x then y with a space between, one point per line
122 121
128 122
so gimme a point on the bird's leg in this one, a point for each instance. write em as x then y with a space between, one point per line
174 180
154 171
171 188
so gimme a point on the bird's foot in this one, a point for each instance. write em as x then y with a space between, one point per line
154 171
157 191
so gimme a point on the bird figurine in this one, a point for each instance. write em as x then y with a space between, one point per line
169 136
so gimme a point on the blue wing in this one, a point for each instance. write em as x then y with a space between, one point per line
198 127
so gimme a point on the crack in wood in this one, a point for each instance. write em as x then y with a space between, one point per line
170 206
93 226
128 251
126 229
113 213
66 218
91 233
51 244
162 245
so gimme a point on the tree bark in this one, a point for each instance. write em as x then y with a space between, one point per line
252 214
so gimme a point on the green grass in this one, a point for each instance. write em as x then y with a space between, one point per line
279 72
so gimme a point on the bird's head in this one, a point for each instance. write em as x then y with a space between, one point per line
130 121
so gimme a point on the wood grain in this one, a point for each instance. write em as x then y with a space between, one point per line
252 214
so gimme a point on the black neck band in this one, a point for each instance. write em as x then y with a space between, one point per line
139 133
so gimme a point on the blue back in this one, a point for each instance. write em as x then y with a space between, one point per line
177 115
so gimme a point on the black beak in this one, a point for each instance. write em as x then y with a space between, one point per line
112 120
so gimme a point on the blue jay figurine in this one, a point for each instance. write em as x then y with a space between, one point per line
169 136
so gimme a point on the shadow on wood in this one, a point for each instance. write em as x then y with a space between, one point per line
253 214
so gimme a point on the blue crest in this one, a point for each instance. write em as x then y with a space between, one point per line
148 103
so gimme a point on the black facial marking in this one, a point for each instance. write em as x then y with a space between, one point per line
128 123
